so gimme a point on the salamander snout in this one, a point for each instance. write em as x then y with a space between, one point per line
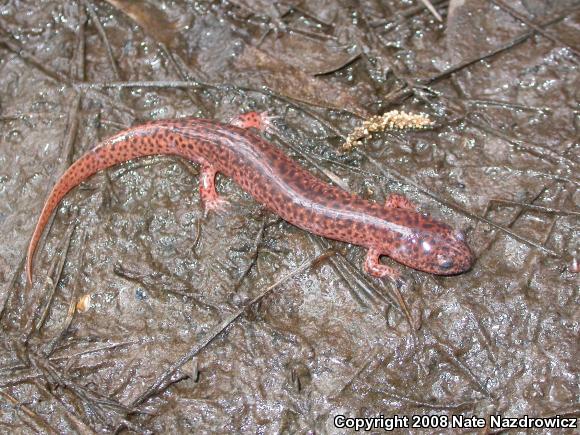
458 261
452 255
441 251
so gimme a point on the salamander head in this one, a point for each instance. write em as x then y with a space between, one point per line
437 249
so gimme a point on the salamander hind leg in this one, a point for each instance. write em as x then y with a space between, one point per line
396 200
209 196
375 268
259 120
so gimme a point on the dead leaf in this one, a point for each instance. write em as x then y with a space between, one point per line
148 17
259 68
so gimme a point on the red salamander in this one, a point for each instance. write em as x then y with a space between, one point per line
394 229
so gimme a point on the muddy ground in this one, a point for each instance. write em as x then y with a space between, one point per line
146 315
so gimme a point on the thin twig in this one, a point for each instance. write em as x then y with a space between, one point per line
110 412
419 403
494 51
354 278
507 105
56 270
534 26
342 65
512 221
449 354
77 63
80 425
217 331
405 14
429 6
38 421
72 127
14 46
194 98
11 286
72 303
540 208
101 31
539 151
254 258
141 84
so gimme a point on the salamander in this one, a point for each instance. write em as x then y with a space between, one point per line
395 229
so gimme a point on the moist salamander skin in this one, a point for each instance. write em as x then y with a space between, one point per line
278 182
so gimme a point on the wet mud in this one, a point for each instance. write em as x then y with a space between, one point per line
148 315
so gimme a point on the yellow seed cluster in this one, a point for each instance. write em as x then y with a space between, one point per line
393 120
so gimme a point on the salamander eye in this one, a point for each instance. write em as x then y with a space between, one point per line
445 262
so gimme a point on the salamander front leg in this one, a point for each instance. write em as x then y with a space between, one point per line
396 200
374 267
259 120
209 196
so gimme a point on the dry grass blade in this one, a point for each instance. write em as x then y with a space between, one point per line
364 368
407 13
141 84
432 9
375 362
71 131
